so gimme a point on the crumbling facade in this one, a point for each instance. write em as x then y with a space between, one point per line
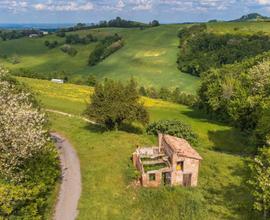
174 162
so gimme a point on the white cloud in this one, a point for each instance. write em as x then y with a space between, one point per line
14 5
142 4
263 2
198 5
64 6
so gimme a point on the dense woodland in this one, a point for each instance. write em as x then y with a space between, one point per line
239 93
201 50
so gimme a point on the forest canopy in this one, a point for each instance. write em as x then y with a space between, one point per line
201 50
239 93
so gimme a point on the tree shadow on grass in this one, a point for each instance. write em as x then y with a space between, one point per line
96 128
231 141
232 198
129 128
203 117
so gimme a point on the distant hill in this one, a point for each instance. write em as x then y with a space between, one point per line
252 17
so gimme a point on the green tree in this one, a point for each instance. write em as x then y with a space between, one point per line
260 182
142 91
113 104
91 80
165 93
154 23
172 127
262 132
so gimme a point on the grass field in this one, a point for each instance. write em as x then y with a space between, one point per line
148 55
105 161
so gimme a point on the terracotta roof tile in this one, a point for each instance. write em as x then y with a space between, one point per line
181 147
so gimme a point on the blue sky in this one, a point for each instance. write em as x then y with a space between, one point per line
167 11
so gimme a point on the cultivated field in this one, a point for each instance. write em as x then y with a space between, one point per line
105 163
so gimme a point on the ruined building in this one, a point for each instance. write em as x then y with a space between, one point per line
174 162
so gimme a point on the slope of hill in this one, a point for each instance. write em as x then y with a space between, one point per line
105 163
148 55
252 17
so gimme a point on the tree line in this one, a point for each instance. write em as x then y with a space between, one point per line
117 22
172 95
16 34
105 48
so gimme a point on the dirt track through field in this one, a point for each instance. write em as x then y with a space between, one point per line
70 115
70 190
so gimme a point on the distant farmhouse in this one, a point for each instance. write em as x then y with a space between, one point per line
60 81
44 32
174 162
33 35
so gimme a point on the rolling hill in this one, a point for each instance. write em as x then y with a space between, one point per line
252 17
148 55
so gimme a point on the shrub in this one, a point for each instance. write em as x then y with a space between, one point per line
15 59
69 50
260 182
51 45
174 128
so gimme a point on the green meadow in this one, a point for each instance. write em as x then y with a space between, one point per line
148 55
108 192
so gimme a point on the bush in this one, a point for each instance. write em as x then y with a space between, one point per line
174 128
76 39
15 59
69 50
260 182
51 45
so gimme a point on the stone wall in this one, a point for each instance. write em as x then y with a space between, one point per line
191 166
146 182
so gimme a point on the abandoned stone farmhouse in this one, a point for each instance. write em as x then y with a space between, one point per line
173 162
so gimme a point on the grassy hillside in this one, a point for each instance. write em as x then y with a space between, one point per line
239 27
148 55
105 161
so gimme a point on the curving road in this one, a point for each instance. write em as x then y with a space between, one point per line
70 191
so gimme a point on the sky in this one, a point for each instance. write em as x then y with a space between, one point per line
92 11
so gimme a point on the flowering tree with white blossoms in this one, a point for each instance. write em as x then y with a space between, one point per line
22 133
29 162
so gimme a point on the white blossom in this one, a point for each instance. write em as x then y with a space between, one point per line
22 133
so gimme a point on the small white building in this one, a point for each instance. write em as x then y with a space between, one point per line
60 81
45 32
33 35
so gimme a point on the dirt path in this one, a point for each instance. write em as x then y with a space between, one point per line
70 191
70 115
